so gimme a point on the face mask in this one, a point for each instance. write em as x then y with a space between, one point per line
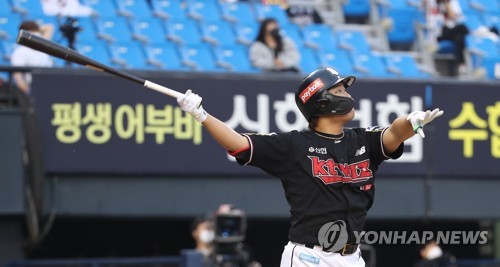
434 253
275 33
207 236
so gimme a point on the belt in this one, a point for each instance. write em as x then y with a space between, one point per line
347 249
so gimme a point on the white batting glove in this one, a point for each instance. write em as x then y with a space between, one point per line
191 103
420 118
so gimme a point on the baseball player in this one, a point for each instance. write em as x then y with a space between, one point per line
327 171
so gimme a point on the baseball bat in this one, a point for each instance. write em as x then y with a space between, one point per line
51 48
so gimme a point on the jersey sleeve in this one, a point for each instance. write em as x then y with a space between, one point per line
269 152
373 136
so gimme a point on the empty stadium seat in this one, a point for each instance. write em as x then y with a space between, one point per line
5 7
404 66
199 57
168 9
128 55
133 8
318 36
370 65
164 56
337 59
246 32
183 31
217 32
351 40
491 20
237 12
484 6
97 50
203 9
27 7
101 7
308 60
234 58
7 47
479 48
356 9
271 11
113 29
148 30
292 31
9 26
402 34
473 21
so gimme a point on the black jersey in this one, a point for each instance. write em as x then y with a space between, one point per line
325 179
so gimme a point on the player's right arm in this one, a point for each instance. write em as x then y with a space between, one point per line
223 134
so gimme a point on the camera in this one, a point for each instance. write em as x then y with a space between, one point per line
230 231
69 27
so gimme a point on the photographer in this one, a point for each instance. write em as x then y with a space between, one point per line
69 28
220 239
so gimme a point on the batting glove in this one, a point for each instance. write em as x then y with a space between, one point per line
420 118
191 103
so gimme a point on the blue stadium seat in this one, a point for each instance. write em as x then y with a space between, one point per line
292 31
490 64
113 29
203 9
403 34
128 55
404 66
165 56
234 58
168 9
484 6
217 32
271 11
9 26
5 7
318 36
356 8
148 30
473 20
237 12
246 32
370 65
102 7
479 49
199 57
7 48
43 19
27 7
308 60
183 31
491 19
337 59
352 40
133 8
97 50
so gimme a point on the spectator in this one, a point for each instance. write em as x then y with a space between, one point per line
23 56
433 256
453 29
203 235
303 15
273 52
66 8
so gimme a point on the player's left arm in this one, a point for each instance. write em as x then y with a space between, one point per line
403 128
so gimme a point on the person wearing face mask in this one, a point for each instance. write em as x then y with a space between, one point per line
273 52
23 56
433 256
203 235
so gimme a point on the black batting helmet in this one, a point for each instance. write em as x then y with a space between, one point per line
312 96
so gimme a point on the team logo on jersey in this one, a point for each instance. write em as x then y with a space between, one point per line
310 90
319 150
308 258
331 172
360 151
374 129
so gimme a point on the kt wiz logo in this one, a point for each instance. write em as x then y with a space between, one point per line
332 236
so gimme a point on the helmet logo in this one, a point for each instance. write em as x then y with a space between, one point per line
310 90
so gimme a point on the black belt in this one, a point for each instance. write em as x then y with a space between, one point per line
347 249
